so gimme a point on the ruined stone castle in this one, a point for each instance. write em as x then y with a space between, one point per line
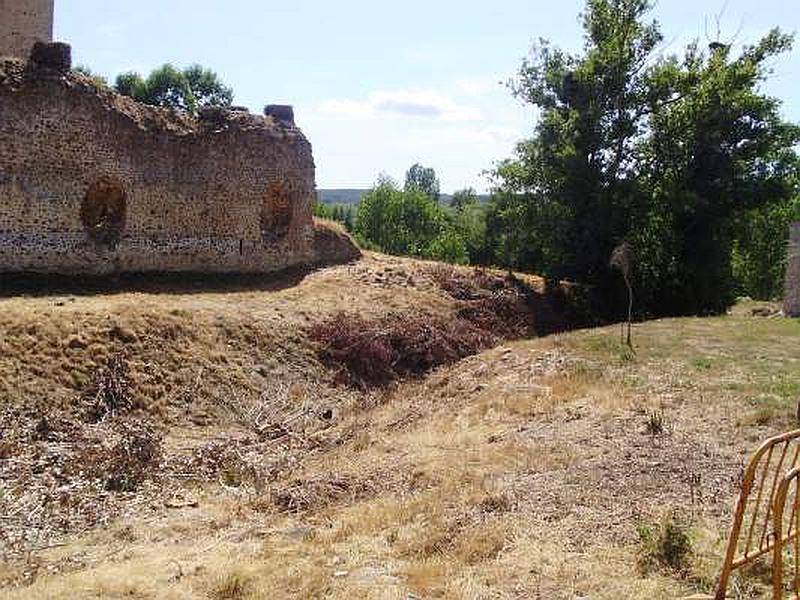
791 297
92 182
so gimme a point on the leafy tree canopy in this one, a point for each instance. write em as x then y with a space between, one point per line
463 199
407 222
189 89
422 179
661 152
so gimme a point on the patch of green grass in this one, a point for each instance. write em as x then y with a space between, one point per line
602 344
609 347
631 381
788 389
766 409
702 363
666 546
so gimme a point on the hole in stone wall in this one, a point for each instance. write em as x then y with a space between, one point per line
276 214
103 211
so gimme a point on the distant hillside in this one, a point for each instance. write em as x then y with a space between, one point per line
353 196
340 196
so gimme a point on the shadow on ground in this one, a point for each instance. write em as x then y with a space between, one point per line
38 284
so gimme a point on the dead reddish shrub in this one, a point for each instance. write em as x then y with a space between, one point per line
505 313
125 459
373 353
109 393
501 305
490 308
471 285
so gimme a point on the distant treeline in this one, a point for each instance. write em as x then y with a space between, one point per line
354 196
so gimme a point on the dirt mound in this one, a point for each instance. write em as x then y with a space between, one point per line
332 244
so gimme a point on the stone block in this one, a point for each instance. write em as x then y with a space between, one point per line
791 296
282 113
52 55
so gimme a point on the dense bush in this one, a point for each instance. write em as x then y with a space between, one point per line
408 222
759 249
665 547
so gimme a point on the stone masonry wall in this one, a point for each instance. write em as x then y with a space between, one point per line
23 22
94 183
791 298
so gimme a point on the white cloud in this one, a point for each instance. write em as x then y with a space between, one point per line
421 104
348 109
459 129
478 86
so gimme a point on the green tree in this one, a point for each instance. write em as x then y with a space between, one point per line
422 179
469 221
407 222
463 199
187 90
207 88
96 77
398 221
661 153
719 151
759 249
322 210
449 246
130 84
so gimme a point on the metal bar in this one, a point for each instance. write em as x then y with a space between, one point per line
777 527
743 560
757 505
779 509
775 480
794 505
796 515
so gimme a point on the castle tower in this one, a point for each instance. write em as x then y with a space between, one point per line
23 22
791 297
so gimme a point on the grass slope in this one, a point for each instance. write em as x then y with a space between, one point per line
522 472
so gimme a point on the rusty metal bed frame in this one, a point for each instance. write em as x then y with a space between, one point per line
759 522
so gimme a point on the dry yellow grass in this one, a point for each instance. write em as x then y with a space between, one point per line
522 472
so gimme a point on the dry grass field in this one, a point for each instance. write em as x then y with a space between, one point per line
547 468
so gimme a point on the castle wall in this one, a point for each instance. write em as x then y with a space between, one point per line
23 22
94 183
791 298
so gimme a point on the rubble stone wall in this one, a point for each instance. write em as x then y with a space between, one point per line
94 183
23 22
791 298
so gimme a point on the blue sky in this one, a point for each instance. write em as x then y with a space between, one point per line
379 85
